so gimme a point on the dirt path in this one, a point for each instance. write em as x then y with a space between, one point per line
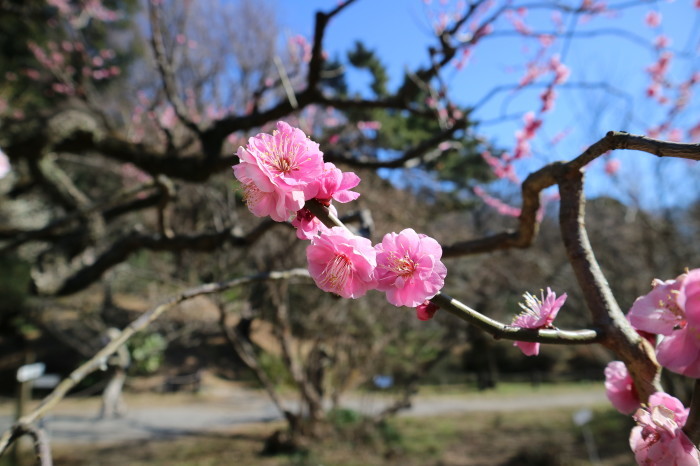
162 416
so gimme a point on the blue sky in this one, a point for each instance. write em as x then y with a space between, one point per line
399 31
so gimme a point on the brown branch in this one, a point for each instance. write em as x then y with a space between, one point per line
692 424
618 334
137 325
545 177
246 352
42 446
528 225
410 388
188 167
487 324
283 331
166 72
87 268
409 158
110 209
316 62
168 189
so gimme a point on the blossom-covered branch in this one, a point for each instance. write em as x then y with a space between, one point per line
485 323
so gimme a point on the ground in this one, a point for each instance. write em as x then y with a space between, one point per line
517 425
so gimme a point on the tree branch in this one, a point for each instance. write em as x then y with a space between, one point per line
692 424
545 177
245 351
164 68
85 269
137 325
487 324
42 445
410 157
619 336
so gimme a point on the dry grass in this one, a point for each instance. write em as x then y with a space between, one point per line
527 438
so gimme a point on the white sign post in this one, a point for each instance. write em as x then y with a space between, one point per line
30 372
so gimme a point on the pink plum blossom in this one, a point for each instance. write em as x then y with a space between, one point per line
612 166
5 166
658 438
619 388
671 310
688 297
342 263
409 269
500 206
662 41
537 314
334 184
426 310
548 97
561 71
277 170
262 202
501 168
653 19
369 125
657 311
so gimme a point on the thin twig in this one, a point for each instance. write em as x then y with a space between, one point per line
165 69
464 312
692 424
245 351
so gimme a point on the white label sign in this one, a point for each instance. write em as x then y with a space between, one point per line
30 372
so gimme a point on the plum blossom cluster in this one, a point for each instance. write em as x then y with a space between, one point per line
669 318
281 171
658 437
671 311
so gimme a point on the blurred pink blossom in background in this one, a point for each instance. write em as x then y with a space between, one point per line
5 166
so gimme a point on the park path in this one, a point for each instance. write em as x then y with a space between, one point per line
162 416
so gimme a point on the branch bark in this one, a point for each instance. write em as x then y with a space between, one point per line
618 334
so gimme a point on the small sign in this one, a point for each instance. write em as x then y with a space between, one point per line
30 372
383 381
583 417
47 381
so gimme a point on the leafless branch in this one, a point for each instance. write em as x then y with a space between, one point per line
545 177
409 157
88 267
246 352
489 325
618 334
164 68
42 446
137 325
